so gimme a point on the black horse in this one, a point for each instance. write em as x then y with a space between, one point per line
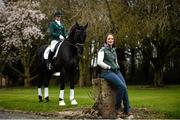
66 62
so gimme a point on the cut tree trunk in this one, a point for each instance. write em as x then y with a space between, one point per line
158 77
104 95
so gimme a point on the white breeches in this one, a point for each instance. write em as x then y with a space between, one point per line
53 44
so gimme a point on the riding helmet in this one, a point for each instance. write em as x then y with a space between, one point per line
58 13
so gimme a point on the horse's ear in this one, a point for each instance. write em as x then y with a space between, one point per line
86 26
77 24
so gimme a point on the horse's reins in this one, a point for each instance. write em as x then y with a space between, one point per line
76 45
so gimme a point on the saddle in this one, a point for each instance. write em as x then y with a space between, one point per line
47 50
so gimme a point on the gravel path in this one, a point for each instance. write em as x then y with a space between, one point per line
19 115
7 114
138 113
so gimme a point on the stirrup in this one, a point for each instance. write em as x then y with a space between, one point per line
49 66
73 102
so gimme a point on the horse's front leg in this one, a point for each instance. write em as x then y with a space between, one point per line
47 77
72 85
62 87
46 90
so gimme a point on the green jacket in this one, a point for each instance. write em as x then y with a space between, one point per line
56 30
110 57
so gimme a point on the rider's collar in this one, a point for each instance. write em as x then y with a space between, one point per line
58 22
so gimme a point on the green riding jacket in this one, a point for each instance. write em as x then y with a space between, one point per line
56 30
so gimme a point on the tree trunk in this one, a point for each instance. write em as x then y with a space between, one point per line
158 72
158 76
27 78
112 23
84 69
146 70
26 62
81 79
104 95
121 60
132 69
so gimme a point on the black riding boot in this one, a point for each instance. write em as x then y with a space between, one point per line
49 60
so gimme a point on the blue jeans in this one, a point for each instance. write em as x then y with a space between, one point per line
117 80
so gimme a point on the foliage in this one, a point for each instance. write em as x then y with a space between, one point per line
20 29
140 26
148 22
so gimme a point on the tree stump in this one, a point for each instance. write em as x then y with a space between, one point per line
104 95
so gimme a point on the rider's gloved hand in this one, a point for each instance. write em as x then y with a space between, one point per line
61 37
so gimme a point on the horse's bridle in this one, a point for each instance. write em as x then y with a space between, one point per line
79 44
76 45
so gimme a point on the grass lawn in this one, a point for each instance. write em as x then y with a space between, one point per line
164 101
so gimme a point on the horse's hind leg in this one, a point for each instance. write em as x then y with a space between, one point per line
40 82
43 79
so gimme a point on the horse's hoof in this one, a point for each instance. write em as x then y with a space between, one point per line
47 99
40 98
74 102
62 103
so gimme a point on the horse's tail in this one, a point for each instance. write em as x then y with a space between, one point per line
39 59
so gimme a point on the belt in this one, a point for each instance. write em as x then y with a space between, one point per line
112 70
105 70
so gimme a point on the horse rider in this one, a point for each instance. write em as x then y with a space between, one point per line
57 33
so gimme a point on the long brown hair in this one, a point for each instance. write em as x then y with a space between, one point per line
105 40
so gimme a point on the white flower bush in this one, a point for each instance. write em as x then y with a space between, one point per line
20 27
20 31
